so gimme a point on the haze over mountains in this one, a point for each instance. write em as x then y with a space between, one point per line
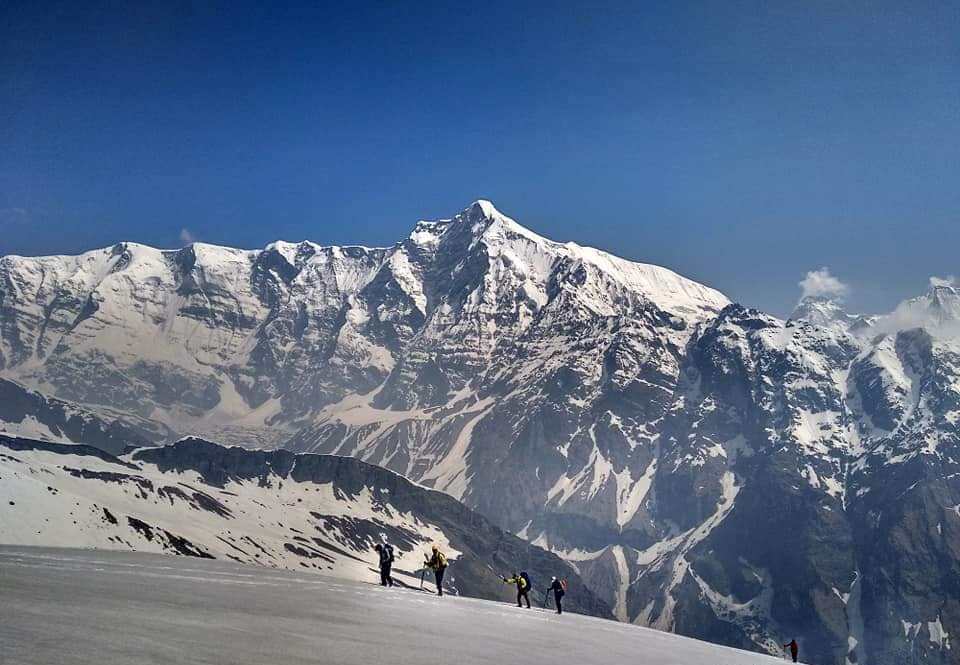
707 468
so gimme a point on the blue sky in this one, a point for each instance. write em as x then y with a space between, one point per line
739 143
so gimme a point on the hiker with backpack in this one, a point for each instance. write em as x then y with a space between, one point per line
559 588
437 562
385 552
522 580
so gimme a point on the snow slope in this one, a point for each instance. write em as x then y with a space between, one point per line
111 607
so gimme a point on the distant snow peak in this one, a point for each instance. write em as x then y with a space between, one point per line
490 223
486 208
937 311
821 311
948 281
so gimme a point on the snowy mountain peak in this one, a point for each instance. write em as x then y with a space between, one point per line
486 208
821 311
944 302
937 311
492 225
600 278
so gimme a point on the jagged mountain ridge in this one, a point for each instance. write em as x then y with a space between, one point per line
807 484
31 414
392 355
626 418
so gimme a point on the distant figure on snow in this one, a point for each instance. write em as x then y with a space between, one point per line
559 587
385 551
792 644
437 562
522 580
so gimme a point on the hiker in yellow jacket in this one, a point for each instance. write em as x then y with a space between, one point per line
437 562
522 580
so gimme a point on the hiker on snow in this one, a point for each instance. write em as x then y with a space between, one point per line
385 551
793 649
437 563
523 587
559 587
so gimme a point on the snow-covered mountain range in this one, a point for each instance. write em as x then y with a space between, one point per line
708 468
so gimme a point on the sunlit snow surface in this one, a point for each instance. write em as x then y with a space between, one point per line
104 608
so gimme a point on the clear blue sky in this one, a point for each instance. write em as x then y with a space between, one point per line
740 143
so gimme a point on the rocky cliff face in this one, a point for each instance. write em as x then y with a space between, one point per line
806 486
708 468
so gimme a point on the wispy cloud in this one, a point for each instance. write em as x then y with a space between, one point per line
823 284
187 237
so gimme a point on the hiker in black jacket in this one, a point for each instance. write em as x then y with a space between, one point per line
385 551
558 589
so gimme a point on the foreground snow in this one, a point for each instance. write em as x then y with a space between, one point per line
112 607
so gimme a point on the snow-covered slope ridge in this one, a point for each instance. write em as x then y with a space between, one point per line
313 512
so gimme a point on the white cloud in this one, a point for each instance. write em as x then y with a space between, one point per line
187 237
821 283
949 280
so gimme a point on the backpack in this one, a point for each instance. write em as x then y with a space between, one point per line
526 580
441 560
389 550
563 587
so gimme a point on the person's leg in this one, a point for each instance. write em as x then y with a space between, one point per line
519 598
383 576
439 576
556 597
389 575
526 597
